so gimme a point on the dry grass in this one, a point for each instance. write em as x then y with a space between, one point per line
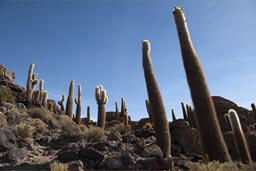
23 130
59 167
212 166
14 117
124 129
94 134
148 126
39 125
6 96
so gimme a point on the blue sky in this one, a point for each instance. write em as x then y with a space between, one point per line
99 42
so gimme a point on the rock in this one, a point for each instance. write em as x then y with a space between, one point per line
152 150
185 138
76 165
3 121
90 153
45 140
115 136
129 138
7 139
16 155
112 162
101 146
67 156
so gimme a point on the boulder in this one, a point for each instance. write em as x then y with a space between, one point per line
7 139
152 150
67 156
16 154
90 153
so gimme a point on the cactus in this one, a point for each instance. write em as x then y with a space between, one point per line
31 82
69 104
88 114
185 116
161 124
254 111
126 118
78 102
208 125
239 137
50 106
102 99
117 111
37 95
173 116
41 88
149 110
61 102
123 106
45 98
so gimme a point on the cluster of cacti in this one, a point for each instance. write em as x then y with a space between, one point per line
208 125
102 99
69 104
61 102
31 82
239 137
161 125
78 102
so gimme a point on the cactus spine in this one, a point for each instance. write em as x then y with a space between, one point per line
102 99
69 104
149 110
31 82
209 128
160 119
173 116
61 103
254 111
78 102
45 99
117 110
239 137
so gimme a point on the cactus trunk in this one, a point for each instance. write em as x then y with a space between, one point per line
209 128
88 114
173 116
78 102
69 105
160 119
117 110
102 99
31 82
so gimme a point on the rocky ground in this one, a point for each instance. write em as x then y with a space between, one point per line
32 138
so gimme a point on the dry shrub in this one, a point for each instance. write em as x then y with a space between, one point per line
23 130
94 134
6 96
124 129
59 167
212 166
148 126
15 117
3 122
40 113
39 125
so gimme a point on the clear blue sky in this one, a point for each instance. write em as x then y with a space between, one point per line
99 42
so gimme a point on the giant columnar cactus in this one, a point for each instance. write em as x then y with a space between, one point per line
37 95
61 102
126 118
45 99
88 114
149 110
41 88
123 106
185 116
160 119
173 116
79 105
254 111
117 110
69 104
239 137
102 99
31 82
209 128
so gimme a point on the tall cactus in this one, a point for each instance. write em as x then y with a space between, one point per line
61 102
173 116
160 119
88 114
185 115
45 99
253 111
123 106
102 99
117 110
239 137
69 105
209 129
78 102
37 95
126 118
31 82
41 88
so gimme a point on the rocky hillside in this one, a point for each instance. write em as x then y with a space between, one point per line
35 137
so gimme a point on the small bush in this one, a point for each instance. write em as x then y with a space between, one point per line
212 166
39 125
23 130
6 96
40 113
124 129
94 134
15 117
148 126
59 167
